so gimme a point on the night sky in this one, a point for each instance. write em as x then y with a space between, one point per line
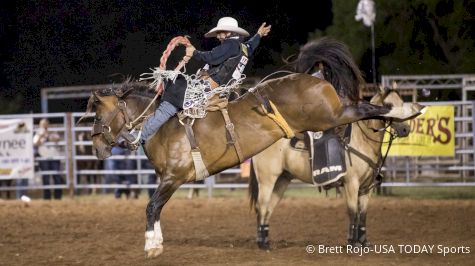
67 43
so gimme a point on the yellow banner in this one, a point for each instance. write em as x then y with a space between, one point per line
432 134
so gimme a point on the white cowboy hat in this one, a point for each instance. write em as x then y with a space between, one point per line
227 24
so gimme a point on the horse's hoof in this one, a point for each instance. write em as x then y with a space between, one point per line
154 252
366 244
264 246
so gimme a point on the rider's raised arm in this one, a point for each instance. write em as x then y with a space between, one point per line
218 54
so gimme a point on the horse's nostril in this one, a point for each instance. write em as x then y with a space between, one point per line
404 132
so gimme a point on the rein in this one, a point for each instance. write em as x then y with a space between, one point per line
104 128
253 89
381 160
163 64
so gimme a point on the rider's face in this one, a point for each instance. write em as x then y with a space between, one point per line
221 35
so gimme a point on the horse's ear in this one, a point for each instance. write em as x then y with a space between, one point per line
124 90
378 98
90 106
387 91
384 91
119 92
394 85
95 97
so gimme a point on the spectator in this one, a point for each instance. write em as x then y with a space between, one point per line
5 183
21 192
121 164
47 152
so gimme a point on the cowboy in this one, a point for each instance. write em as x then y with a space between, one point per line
223 63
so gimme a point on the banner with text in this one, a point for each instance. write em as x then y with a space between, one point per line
432 134
16 148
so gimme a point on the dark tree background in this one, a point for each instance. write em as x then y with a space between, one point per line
411 37
65 43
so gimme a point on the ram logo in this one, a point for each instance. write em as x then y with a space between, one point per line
333 168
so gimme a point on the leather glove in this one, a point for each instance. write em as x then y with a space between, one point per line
264 30
190 49
189 53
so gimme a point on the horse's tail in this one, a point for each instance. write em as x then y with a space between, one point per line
253 189
334 60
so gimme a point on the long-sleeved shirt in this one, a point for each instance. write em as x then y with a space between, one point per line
229 48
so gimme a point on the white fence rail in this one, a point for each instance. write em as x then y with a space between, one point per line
83 171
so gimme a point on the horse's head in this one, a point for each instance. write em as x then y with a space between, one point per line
391 97
117 110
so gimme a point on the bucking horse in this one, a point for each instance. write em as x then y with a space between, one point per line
272 110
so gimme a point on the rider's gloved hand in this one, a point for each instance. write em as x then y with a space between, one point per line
264 30
190 49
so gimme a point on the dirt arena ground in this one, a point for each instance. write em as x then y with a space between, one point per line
222 231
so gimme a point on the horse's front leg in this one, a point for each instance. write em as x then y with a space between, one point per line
153 233
351 196
270 194
263 209
362 209
277 194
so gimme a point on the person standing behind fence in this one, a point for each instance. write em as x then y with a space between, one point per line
121 164
46 152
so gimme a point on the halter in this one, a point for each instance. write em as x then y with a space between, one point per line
381 160
385 128
392 137
103 127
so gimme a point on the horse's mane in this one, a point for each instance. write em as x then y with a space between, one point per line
127 87
339 68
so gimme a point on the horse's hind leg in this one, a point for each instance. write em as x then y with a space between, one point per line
272 199
364 110
266 186
362 209
360 111
153 233
280 187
